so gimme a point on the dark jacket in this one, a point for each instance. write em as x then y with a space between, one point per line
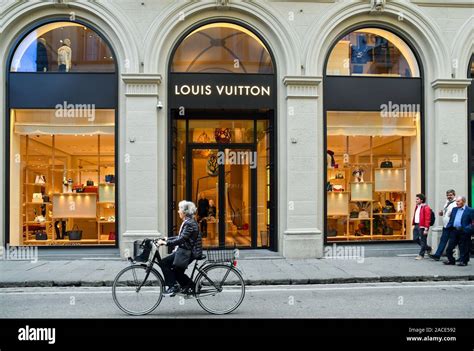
187 237
467 219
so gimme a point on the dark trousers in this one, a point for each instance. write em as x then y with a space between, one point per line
174 274
461 238
421 239
442 243
203 225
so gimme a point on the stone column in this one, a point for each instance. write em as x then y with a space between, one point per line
138 160
447 150
303 237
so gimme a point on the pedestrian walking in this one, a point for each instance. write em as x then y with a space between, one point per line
446 214
460 227
421 225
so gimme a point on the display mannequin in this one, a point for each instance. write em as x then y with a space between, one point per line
203 212
65 56
42 64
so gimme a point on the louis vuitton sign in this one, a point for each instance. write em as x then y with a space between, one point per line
237 91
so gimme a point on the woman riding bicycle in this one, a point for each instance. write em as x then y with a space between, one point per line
174 265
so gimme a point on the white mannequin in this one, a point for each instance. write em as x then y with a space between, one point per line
64 56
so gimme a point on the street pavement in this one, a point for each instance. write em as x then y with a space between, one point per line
381 300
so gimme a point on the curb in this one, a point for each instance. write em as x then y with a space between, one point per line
256 282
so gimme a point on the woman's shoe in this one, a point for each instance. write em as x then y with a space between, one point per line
170 292
419 257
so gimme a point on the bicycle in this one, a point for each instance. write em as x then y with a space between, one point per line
218 287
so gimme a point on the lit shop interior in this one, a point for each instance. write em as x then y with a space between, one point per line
222 150
62 182
373 157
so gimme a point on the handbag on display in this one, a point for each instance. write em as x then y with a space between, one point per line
90 183
110 178
41 235
112 236
182 258
40 219
354 214
75 233
363 214
40 179
386 164
337 188
45 198
37 198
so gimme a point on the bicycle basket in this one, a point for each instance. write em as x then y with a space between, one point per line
141 250
221 254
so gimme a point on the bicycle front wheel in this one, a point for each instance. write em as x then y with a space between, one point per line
134 298
220 289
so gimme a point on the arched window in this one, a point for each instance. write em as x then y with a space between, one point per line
222 48
62 119
374 128
64 47
372 52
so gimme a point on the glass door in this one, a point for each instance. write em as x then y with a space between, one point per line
239 199
222 188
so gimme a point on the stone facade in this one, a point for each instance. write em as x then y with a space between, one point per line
300 35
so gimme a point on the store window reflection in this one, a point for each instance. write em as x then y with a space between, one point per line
63 47
372 52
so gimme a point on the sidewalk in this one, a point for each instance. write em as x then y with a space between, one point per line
267 271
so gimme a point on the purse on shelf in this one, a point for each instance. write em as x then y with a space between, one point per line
90 183
363 214
40 179
112 236
386 164
41 235
40 219
75 233
37 198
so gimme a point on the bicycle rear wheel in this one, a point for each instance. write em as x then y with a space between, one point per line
220 289
132 300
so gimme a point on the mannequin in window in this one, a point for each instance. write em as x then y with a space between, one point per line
212 209
203 212
65 56
41 56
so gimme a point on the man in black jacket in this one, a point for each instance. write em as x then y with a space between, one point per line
186 242
460 227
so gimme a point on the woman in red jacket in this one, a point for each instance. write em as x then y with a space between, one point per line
421 222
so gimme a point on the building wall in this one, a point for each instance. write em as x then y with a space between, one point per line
300 34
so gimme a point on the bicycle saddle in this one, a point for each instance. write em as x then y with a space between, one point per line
200 258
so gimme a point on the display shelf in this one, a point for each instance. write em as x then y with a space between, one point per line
36 223
37 203
79 194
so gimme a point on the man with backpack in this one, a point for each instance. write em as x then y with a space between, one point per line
423 218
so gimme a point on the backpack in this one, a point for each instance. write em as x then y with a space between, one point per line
432 218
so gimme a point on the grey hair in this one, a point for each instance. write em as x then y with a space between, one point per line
187 207
463 198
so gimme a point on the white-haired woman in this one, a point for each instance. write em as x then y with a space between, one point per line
174 265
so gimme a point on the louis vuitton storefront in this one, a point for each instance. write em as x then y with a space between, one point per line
290 125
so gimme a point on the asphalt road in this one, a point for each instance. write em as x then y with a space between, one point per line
390 300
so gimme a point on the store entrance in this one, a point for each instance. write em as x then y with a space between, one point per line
224 165
223 190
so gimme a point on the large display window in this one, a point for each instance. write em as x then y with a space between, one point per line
373 140
62 180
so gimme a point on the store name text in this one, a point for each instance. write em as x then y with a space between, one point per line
222 90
